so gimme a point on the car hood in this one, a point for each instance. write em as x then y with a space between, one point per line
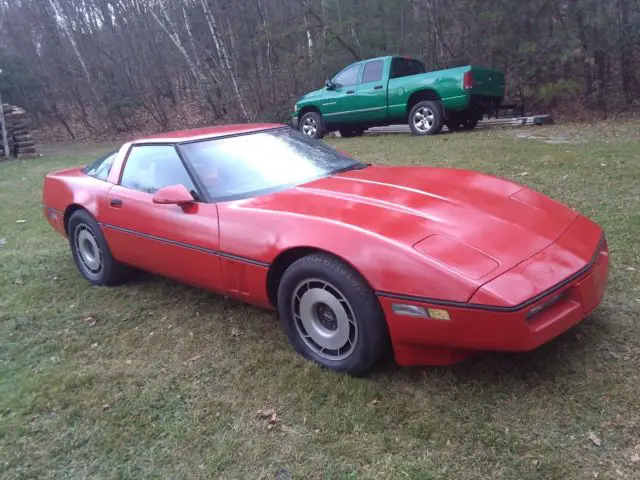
474 223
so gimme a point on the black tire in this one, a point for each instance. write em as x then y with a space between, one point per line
367 328
110 271
470 123
351 132
312 125
422 111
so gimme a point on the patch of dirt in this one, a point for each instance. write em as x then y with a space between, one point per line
552 139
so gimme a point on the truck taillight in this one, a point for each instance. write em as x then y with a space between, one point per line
467 82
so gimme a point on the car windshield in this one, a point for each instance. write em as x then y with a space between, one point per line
247 165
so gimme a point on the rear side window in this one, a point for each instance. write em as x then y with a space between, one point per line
403 67
347 77
373 71
101 167
151 167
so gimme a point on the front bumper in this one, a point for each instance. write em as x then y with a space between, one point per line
475 327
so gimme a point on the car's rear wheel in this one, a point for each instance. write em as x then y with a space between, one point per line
331 315
312 125
91 252
425 118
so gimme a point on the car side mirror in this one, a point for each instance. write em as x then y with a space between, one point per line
173 195
329 84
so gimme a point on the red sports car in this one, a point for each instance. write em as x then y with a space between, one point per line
431 264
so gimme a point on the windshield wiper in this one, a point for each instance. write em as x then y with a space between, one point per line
355 166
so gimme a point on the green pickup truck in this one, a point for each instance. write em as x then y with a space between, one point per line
396 90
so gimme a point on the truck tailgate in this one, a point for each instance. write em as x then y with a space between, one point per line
487 82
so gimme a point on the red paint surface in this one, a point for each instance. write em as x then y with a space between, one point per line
440 234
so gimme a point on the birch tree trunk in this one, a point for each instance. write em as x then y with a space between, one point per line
264 21
63 21
223 55
309 37
170 29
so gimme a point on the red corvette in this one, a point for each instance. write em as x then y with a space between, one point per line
431 264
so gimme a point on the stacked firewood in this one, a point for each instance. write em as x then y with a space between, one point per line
21 142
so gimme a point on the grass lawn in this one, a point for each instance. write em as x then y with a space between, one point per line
165 381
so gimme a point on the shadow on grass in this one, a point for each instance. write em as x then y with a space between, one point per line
551 364
554 363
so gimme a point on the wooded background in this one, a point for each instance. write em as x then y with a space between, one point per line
95 66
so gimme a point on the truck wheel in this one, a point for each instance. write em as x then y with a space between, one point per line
351 132
312 125
470 123
426 118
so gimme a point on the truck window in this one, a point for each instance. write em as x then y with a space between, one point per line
347 77
373 71
403 67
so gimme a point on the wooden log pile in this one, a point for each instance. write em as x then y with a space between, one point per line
21 141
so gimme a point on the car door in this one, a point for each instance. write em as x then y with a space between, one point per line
179 242
370 100
338 103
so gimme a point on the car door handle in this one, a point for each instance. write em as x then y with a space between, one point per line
115 203
349 92
377 87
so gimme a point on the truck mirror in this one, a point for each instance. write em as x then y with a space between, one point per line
329 84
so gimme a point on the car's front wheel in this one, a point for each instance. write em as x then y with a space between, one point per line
331 315
91 252
312 125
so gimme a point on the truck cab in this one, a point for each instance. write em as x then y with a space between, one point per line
398 90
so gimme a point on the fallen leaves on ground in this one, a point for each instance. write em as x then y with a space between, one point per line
192 359
90 321
595 439
375 402
270 415
236 332
266 412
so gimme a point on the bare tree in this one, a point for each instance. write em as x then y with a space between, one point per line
223 54
104 65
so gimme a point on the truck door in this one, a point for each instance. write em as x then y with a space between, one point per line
371 92
338 104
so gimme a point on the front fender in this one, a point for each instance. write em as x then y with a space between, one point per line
387 265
